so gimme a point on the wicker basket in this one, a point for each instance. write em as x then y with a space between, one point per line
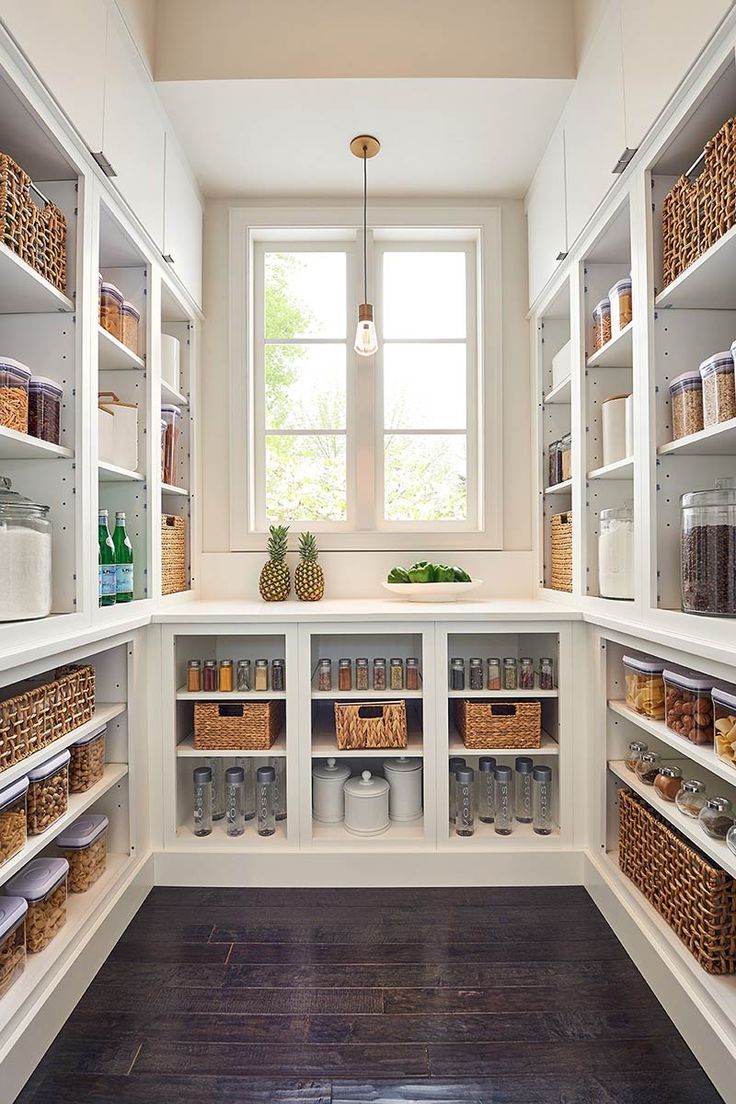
364 725
696 213
561 566
695 897
237 726
173 554
33 228
40 714
499 724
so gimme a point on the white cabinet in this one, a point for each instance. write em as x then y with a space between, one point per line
134 130
659 46
595 131
182 221
547 215
65 43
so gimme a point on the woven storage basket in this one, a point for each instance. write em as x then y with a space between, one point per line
696 213
173 554
34 718
695 897
499 724
363 725
561 566
35 229
49 243
237 726
15 207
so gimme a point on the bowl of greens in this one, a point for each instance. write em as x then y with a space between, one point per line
429 582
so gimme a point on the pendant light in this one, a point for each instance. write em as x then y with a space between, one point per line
366 342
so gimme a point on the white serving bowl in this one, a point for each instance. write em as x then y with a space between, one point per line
432 592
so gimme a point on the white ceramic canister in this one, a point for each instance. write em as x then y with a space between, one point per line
366 805
170 359
328 797
613 420
404 777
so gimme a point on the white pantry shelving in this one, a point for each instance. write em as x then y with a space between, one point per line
21 446
116 357
24 291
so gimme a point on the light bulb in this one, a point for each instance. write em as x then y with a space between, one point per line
366 339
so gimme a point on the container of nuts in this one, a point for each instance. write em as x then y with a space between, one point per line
645 686
686 404
13 912
688 707
48 793
84 846
13 819
43 885
87 764
724 725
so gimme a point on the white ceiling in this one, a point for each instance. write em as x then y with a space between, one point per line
464 137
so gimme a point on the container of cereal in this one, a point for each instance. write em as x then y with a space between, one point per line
87 764
724 724
645 686
601 324
13 818
719 393
111 309
688 706
13 911
621 303
84 846
686 404
42 883
14 381
130 319
48 793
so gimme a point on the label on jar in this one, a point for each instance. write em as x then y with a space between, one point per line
108 581
124 579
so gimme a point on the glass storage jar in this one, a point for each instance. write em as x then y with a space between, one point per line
261 675
15 379
724 724
48 793
362 678
601 324
526 673
621 305
635 752
44 409
688 707
494 674
645 686
13 819
546 673
475 674
396 673
84 846
13 911
87 762
345 674
225 678
209 676
510 681
691 798
616 553
25 556
708 550
730 841
242 676
324 675
668 782
278 675
566 457
194 676
42 882
647 768
379 674
111 309
130 321
716 817
457 674
172 415
554 463
686 404
412 674
719 395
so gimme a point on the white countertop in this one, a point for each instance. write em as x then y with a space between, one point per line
367 609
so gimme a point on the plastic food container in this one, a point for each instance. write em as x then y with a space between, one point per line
366 805
87 764
554 463
601 324
84 846
13 819
171 415
724 724
708 550
44 409
328 796
111 309
48 793
130 320
13 911
566 457
14 381
25 556
42 883
645 686
688 706
404 777
719 393
620 300
686 404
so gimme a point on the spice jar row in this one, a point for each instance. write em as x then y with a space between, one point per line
117 316
612 314
705 396
365 674
225 676
29 404
500 795
368 802
507 674
237 791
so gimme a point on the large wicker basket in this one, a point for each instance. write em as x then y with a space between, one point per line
561 565
30 225
237 726
695 897
499 724
173 554
364 725
36 716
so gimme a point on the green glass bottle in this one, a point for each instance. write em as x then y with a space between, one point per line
106 560
123 560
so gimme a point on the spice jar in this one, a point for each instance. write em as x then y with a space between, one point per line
261 674
620 301
209 676
486 788
724 725
194 676
324 675
601 324
616 553
396 674
546 674
379 674
111 309
362 680
412 674
716 817
345 674
691 798
42 882
686 404
457 674
278 675
645 686
130 317
225 676
475 674
688 706
13 912
647 768
242 676
526 673
668 782
719 394
25 556
172 415
14 382
494 674
44 409
636 750
509 674
708 550
13 820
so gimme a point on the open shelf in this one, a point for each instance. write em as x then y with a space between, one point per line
114 356
182 694
505 695
398 834
522 838
559 488
111 473
169 489
559 395
621 469
103 715
457 747
717 440
708 282
324 746
21 446
24 291
171 396
187 750
616 353
219 840
364 695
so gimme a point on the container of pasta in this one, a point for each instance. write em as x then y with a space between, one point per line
42 883
645 686
84 846
13 818
13 912
87 764
724 724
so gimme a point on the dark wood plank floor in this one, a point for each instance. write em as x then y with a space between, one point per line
443 996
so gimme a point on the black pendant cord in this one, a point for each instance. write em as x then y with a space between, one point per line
365 223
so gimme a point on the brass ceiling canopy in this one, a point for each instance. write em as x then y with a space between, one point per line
365 145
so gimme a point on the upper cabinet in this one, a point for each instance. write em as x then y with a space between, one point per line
546 215
182 221
66 45
659 46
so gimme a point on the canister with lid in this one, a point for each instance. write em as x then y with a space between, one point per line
15 379
620 300
44 409
328 797
13 912
366 805
719 391
84 846
404 776
601 324
613 425
686 404
42 882
25 556
13 818
708 550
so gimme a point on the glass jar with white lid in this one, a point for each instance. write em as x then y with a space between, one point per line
616 553
25 556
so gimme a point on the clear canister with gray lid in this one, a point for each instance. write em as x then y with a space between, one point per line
523 789
504 791
328 797
235 801
455 762
404 776
13 911
25 556
486 788
465 801
265 801
366 805
542 800
202 783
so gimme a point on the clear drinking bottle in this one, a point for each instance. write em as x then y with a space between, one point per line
278 762
235 800
465 801
455 762
217 766
523 789
504 821
486 789
542 788
249 801
202 781
265 812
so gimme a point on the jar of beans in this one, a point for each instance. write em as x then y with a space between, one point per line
686 404
87 764
601 324
708 550
48 793
719 393
14 382
42 882
84 846
44 409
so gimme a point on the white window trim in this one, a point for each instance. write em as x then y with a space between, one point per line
249 225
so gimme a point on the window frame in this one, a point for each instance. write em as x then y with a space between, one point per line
421 227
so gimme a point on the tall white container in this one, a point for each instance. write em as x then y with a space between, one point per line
613 420
328 796
366 805
170 361
404 776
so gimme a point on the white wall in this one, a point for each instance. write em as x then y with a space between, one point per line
507 573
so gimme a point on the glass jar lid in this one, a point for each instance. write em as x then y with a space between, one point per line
604 307
687 381
671 772
15 507
650 757
637 748
718 804
475 662
618 513
457 662
261 663
347 663
723 495
694 786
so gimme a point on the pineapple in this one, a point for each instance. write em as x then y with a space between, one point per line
275 580
309 578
